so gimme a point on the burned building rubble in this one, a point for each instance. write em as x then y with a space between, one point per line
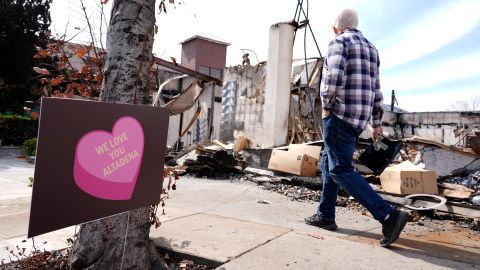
233 126
190 90
243 104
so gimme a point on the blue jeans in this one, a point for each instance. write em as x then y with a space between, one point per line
340 139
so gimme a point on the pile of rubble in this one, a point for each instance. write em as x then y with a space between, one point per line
296 193
207 160
219 161
471 182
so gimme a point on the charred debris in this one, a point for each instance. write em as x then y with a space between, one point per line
458 183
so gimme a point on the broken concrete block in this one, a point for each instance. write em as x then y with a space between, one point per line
257 158
448 161
455 191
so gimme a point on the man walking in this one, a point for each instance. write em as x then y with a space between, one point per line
351 98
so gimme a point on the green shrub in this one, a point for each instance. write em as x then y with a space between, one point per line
16 129
30 146
30 181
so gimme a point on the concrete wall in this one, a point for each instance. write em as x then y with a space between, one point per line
199 130
277 87
243 116
446 161
173 126
449 128
243 105
446 127
248 114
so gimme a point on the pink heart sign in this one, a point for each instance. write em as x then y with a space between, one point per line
107 164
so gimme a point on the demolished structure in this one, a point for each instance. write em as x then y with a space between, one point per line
275 104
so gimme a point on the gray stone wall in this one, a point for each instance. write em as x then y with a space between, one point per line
243 97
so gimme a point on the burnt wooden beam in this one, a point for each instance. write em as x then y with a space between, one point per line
185 70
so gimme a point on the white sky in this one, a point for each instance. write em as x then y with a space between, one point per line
245 24
443 25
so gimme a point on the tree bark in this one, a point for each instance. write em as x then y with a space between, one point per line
122 241
129 51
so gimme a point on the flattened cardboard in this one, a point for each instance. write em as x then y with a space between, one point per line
294 163
311 150
406 178
66 189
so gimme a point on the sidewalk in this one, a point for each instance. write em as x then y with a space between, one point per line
15 197
223 223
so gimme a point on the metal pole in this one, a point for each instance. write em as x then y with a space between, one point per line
212 110
392 104
179 141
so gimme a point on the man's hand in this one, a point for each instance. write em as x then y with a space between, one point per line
376 131
325 113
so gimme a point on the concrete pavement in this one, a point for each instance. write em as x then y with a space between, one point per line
208 219
225 223
15 197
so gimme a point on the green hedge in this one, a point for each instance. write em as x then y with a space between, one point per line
30 146
16 129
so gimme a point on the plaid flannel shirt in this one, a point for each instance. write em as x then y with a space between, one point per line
350 84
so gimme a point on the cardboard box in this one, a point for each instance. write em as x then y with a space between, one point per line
406 178
294 163
311 150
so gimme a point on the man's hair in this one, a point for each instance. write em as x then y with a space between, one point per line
347 19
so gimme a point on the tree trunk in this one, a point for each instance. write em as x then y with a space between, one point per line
110 243
129 51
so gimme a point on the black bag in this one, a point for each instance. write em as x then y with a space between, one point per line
380 153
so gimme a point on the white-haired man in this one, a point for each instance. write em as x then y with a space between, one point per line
351 98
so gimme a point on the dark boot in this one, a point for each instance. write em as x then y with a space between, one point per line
320 222
393 226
